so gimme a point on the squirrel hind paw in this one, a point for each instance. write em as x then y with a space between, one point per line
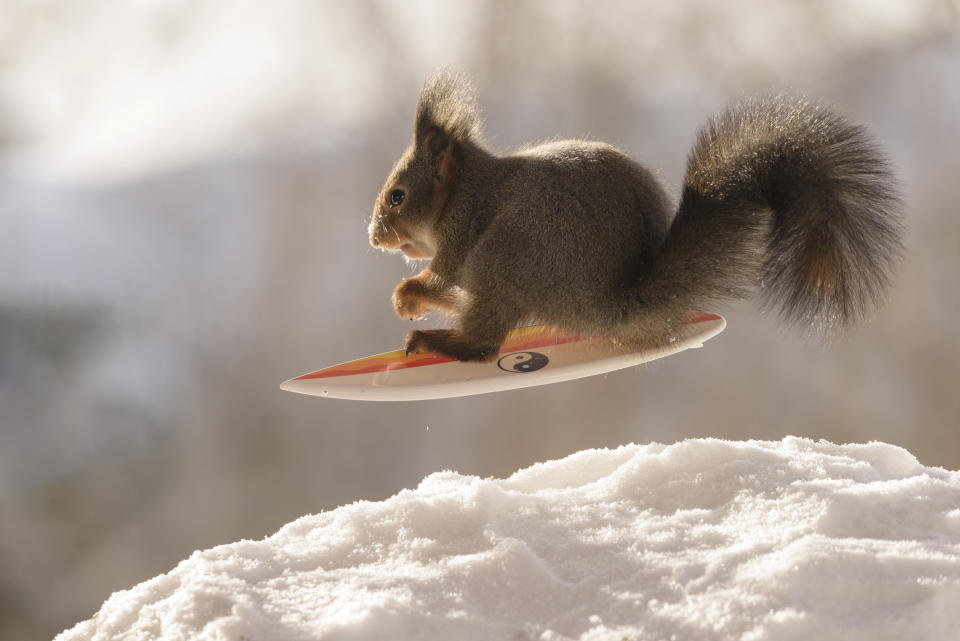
451 343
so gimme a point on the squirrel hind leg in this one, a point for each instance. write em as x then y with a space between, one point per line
479 338
646 323
453 343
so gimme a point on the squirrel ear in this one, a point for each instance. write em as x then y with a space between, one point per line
446 167
447 107
436 147
439 147
447 118
435 140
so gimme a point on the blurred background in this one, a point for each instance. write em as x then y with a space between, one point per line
184 192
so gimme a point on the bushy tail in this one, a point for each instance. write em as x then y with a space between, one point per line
788 197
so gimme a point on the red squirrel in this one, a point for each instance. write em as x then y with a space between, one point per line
781 195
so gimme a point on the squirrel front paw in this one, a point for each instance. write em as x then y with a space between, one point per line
409 300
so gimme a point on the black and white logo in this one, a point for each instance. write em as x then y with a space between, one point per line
523 362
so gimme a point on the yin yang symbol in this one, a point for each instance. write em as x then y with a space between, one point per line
522 362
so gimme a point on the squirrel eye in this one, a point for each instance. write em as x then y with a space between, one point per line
396 197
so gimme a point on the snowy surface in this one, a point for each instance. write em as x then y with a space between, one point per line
704 539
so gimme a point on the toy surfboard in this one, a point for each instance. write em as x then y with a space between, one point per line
530 356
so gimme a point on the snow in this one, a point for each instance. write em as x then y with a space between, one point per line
702 539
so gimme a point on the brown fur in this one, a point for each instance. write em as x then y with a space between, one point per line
779 194
415 296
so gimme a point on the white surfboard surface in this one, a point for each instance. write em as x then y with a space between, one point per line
530 356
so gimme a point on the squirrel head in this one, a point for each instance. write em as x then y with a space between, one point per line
411 200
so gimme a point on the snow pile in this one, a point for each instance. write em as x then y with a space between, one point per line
704 539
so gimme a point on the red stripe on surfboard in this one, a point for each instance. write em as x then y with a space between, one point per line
421 360
430 359
397 360
702 317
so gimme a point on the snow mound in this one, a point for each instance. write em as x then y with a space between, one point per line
704 539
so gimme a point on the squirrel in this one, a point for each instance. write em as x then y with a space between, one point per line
781 195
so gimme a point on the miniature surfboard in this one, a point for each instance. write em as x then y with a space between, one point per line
535 355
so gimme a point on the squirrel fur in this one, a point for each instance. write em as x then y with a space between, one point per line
781 195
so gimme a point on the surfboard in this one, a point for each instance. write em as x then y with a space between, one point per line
535 355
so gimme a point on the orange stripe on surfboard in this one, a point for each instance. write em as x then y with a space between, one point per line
519 340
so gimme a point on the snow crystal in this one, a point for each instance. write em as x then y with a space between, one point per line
704 539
